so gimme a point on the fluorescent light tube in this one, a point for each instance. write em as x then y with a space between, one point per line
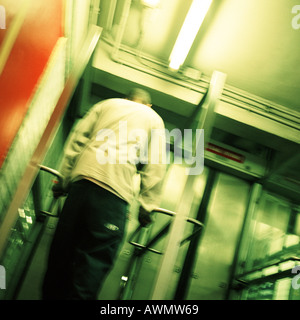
151 3
188 32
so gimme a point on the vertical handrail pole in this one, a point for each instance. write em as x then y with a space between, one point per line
205 122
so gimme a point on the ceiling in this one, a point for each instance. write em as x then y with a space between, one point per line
252 41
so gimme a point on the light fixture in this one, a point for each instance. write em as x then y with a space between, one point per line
188 32
151 3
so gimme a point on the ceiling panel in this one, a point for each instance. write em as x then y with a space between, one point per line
252 41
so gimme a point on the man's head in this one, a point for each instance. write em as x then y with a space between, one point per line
140 96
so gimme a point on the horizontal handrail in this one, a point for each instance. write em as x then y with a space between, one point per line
172 213
164 230
52 171
260 268
59 176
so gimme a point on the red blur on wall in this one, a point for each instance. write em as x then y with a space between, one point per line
27 60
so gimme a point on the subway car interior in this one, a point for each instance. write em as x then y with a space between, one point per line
230 231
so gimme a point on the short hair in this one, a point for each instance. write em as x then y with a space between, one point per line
139 94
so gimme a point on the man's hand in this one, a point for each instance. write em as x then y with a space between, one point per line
144 217
58 190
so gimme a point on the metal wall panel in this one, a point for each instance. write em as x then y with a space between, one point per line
216 251
270 251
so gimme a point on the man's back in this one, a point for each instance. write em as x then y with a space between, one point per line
116 135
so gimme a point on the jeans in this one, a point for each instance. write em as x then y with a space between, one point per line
85 244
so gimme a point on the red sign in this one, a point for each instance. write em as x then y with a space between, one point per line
226 153
26 62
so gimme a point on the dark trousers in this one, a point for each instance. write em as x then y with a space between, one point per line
84 248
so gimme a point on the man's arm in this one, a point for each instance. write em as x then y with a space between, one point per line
152 175
77 142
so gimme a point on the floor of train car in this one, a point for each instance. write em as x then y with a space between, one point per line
31 287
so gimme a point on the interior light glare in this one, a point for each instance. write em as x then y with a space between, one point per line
151 3
124 278
29 219
188 32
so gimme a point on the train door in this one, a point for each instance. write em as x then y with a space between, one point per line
269 251
202 266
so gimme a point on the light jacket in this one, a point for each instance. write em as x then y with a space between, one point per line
107 144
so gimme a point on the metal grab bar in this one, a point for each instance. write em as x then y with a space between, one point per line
52 171
55 201
134 265
163 231
241 278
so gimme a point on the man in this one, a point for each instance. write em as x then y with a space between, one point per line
100 162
